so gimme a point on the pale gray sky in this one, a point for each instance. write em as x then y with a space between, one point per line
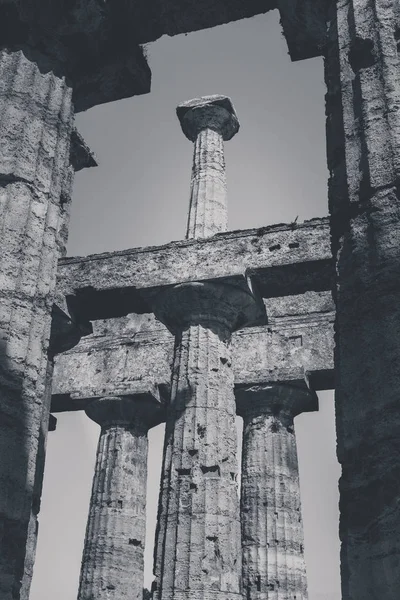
138 196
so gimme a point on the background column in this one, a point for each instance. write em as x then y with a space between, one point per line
272 526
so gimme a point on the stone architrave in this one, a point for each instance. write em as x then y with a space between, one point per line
362 74
35 129
113 555
272 526
198 550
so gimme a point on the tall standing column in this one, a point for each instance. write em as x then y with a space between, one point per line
112 563
362 73
198 554
272 526
64 334
35 127
207 122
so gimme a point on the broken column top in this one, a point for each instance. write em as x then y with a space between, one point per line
208 112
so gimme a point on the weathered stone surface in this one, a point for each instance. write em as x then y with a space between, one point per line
81 156
281 259
304 24
296 343
35 128
33 528
272 527
81 41
198 534
362 74
96 44
112 564
207 122
197 554
64 334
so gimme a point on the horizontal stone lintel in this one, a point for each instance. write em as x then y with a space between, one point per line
281 260
98 46
122 354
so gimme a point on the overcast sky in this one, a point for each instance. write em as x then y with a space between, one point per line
138 196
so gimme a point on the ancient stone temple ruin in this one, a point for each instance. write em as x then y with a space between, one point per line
194 332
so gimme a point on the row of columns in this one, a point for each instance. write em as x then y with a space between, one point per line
264 545
208 547
201 527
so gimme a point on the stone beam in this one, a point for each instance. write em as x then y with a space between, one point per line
97 44
296 344
280 259
304 24
81 41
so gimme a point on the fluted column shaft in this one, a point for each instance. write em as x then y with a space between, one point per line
207 122
33 528
36 117
208 210
362 73
113 555
272 528
197 554
198 545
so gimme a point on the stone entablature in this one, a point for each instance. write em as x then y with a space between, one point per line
297 342
281 260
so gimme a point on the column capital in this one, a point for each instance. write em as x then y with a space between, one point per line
215 305
275 399
142 408
208 112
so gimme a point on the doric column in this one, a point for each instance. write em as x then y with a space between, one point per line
362 73
35 127
207 122
198 552
64 334
112 563
272 526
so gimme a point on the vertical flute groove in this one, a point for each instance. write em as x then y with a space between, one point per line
272 535
112 562
36 118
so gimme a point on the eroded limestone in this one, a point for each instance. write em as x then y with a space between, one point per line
112 563
272 525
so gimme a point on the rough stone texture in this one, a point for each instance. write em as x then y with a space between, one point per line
272 527
81 41
96 44
362 74
198 534
198 538
296 343
281 260
207 122
35 128
112 563
197 554
33 528
64 334
304 24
